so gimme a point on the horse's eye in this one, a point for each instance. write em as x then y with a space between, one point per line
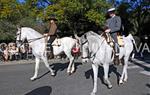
17 34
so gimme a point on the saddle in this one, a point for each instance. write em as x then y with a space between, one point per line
120 40
110 40
49 47
56 42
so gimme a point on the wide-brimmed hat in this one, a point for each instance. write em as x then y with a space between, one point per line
111 10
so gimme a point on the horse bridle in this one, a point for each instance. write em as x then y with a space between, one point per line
20 41
93 56
29 40
81 46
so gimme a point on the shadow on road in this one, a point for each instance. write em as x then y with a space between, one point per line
148 85
112 69
58 67
42 75
45 90
62 66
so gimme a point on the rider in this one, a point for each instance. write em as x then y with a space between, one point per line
52 31
114 26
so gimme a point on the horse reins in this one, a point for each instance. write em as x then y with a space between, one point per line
29 40
90 54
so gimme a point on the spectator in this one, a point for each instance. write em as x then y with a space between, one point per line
6 54
4 50
13 51
23 52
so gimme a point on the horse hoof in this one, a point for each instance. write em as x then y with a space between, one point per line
52 74
92 93
120 83
32 79
125 80
69 73
110 87
72 72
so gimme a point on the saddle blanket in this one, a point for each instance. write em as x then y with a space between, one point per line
120 40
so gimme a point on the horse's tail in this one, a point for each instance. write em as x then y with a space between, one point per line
134 45
132 39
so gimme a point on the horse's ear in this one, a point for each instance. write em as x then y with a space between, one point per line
18 28
76 36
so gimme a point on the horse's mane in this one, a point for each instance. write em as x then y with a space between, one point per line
91 33
32 31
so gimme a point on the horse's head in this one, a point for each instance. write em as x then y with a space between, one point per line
20 37
84 46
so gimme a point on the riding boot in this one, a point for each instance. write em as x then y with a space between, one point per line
51 55
116 58
50 50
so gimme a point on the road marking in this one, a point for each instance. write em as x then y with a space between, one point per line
145 64
141 63
135 66
145 73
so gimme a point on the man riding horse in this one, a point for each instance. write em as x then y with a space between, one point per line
113 27
52 32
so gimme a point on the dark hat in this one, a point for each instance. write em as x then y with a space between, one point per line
52 17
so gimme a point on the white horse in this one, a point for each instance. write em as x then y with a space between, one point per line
37 43
96 49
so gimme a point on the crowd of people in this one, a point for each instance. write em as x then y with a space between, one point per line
10 52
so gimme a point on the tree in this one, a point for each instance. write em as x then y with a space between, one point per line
78 15
13 13
73 15
136 15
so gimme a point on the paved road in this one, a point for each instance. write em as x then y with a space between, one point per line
14 80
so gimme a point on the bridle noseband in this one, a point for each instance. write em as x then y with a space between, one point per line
81 46
29 40
19 34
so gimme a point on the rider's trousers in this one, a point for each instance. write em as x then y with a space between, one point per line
114 36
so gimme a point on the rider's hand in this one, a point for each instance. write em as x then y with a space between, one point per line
107 30
45 35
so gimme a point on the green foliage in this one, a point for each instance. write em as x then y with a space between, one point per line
77 15
94 16
13 13
73 15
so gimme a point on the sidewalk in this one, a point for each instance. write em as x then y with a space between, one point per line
30 61
17 62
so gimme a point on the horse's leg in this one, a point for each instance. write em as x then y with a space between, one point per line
37 61
95 72
47 65
124 75
70 68
73 68
106 71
